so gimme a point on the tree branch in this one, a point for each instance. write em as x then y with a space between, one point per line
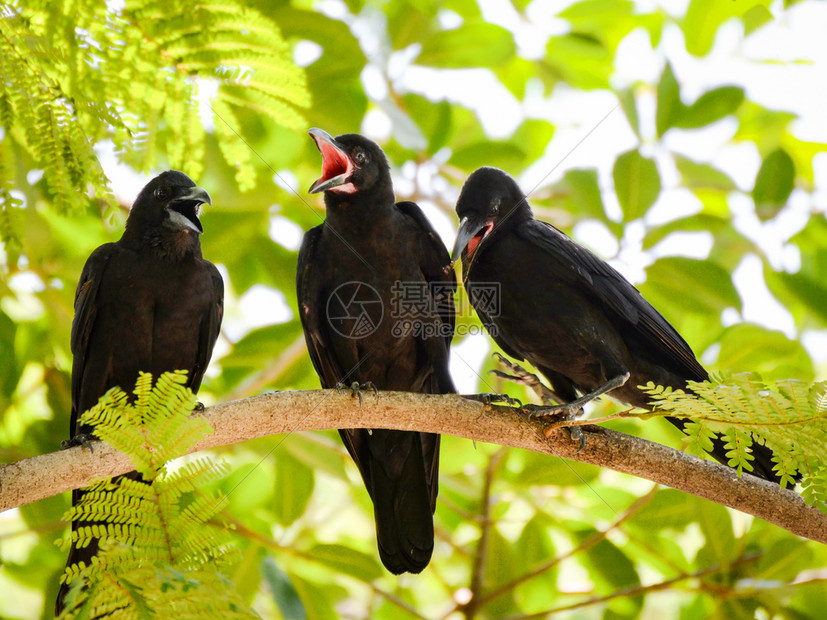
284 412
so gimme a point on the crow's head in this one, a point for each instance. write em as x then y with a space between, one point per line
489 204
350 164
169 203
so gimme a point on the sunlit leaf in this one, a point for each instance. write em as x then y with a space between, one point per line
774 184
637 184
475 44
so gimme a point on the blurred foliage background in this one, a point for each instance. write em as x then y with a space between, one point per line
681 140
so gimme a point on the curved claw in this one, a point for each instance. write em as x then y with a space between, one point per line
567 411
199 406
489 398
356 389
81 439
578 435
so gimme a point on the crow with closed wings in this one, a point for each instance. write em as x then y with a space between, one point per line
148 302
370 263
566 311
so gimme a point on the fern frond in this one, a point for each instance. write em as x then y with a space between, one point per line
788 417
78 72
160 546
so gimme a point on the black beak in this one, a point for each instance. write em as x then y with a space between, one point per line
183 209
468 230
336 165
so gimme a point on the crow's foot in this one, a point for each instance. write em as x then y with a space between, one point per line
356 389
81 439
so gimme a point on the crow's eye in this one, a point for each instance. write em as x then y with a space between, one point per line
360 158
495 207
161 192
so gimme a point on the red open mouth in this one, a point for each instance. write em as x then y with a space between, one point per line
477 239
334 162
336 165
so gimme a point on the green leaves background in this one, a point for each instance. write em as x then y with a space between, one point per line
517 533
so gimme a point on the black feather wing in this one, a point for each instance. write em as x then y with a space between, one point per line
309 292
434 263
210 327
620 300
86 310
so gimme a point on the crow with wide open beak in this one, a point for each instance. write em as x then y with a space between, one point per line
182 210
337 167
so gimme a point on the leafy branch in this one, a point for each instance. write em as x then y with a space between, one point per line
789 417
78 73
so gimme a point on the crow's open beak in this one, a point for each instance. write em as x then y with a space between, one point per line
336 165
469 236
183 209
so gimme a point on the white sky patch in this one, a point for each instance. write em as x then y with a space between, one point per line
772 235
741 161
377 125
702 143
688 244
448 19
575 114
206 91
760 306
285 232
673 204
476 89
258 307
466 363
635 61
305 53
34 175
441 221
815 341
125 182
285 179
26 282
594 235
374 83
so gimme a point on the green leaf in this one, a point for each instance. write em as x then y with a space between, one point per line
580 59
694 223
628 104
716 526
668 509
746 347
704 17
502 567
773 184
670 108
501 154
283 590
293 488
677 285
579 193
608 565
474 44
712 106
697 175
637 184
756 17
348 561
